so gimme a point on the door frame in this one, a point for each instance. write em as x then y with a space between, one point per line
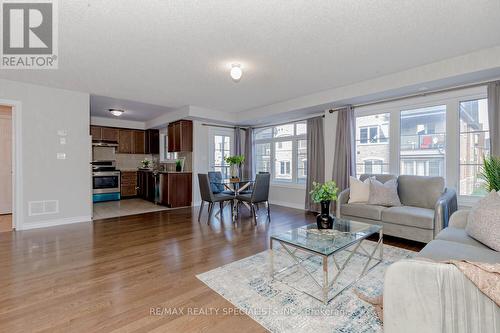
17 181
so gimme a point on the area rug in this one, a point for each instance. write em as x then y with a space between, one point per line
278 307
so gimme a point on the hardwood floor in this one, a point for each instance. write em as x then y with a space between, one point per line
5 222
106 276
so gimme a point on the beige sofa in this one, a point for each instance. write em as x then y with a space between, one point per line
426 207
433 297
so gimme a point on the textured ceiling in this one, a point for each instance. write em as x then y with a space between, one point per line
175 53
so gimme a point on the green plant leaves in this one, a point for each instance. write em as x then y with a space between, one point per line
490 172
324 192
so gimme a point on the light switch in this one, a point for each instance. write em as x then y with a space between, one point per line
62 132
62 140
61 156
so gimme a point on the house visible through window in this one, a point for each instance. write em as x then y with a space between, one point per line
423 141
474 145
372 143
282 151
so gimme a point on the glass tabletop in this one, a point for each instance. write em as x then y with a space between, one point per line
328 241
229 181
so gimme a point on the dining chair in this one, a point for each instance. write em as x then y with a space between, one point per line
208 196
215 178
260 194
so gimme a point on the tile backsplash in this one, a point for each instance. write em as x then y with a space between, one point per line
123 161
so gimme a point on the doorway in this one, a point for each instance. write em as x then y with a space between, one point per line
6 168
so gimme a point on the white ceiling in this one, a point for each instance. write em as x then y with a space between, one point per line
175 53
137 111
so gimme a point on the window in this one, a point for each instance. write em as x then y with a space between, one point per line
372 143
220 148
423 141
282 151
164 154
474 145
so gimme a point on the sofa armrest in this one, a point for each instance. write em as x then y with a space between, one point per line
425 296
342 199
459 219
445 206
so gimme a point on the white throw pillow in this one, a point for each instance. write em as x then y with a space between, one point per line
359 191
483 222
384 194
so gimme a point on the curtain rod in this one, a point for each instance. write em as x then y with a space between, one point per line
431 92
288 122
224 126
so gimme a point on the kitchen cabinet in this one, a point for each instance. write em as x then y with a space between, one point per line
146 185
129 141
125 141
109 134
176 189
139 142
128 187
152 141
96 132
180 136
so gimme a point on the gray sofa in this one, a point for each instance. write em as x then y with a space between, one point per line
425 211
434 297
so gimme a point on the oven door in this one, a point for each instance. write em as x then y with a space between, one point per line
106 182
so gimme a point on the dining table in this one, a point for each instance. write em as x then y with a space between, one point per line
235 186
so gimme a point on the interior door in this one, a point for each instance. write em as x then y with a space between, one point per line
6 158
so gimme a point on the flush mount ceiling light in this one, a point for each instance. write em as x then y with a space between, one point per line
236 72
116 112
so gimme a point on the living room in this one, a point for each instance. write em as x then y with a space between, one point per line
250 165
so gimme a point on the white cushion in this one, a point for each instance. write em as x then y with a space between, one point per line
359 191
384 194
483 222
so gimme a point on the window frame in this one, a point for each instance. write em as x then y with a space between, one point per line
452 101
273 141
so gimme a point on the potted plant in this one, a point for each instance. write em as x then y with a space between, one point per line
490 172
324 194
146 164
235 162
178 165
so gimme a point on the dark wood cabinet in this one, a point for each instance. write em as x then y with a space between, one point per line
129 141
139 142
176 189
152 141
180 136
109 134
146 185
96 132
125 141
128 186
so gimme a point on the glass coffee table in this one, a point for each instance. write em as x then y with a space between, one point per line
339 244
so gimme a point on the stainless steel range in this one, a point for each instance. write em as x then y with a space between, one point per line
105 181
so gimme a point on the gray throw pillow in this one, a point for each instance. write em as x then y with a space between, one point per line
483 222
384 194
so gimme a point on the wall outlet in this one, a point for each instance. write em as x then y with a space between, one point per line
62 140
61 156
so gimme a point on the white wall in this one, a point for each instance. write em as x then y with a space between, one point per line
45 111
200 157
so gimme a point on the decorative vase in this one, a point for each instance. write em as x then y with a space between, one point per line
234 169
324 220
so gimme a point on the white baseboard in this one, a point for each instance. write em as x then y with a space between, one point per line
288 204
55 222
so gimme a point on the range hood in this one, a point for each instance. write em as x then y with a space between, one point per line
104 143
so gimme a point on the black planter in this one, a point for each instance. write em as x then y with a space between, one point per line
324 220
178 167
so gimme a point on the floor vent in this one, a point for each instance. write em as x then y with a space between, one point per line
43 207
